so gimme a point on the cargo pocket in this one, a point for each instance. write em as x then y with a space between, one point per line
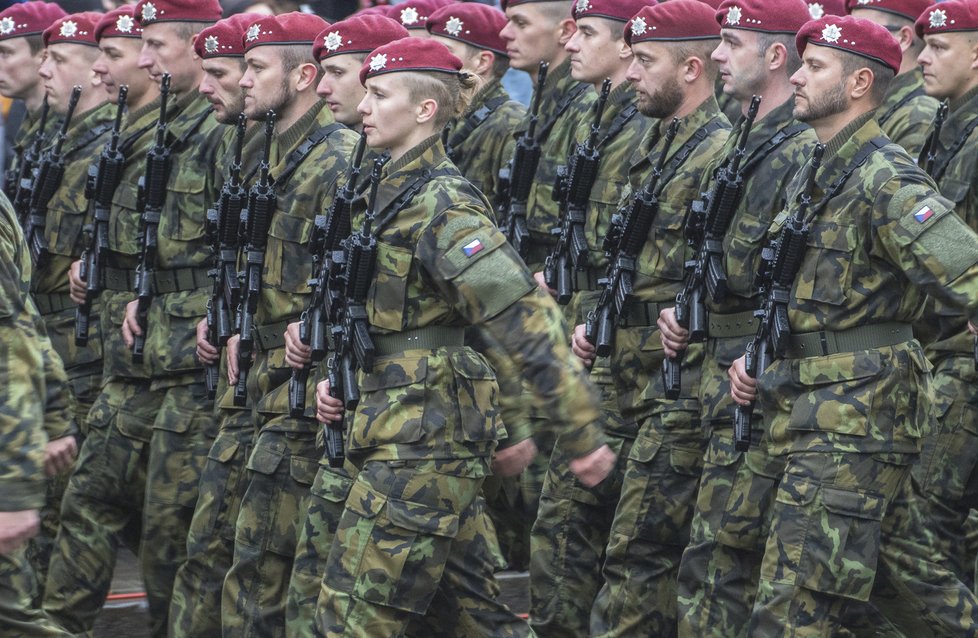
476 389
385 305
289 505
288 264
392 405
837 393
64 231
187 191
219 485
124 224
826 273
669 246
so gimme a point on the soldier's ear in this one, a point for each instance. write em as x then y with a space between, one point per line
426 111
861 83
486 61
193 49
624 51
776 56
566 28
905 36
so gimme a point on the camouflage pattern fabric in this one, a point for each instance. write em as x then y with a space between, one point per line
906 121
19 615
719 570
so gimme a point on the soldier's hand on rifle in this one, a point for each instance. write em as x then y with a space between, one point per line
206 353
59 455
542 282
593 468
77 288
512 460
130 325
231 355
328 409
16 528
297 354
674 337
582 347
743 387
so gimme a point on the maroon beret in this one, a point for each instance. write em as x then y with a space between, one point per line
410 54
77 28
515 3
225 38
821 8
413 14
620 10
472 23
954 15
118 23
675 20
909 9
852 35
378 10
359 34
287 28
767 16
150 11
28 18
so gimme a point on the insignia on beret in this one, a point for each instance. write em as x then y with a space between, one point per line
454 26
210 44
733 16
938 18
149 11
864 1
125 24
831 33
378 62
333 41
68 29
409 16
816 10
639 26
253 32
7 25
583 5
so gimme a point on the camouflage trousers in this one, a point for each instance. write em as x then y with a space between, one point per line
183 433
412 556
102 504
327 498
847 529
947 472
19 616
195 610
279 472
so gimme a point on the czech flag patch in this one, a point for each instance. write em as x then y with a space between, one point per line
473 247
923 214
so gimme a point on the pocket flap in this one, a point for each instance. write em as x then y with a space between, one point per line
422 518
188 180
855 504
393 260
795 491
330 486
364 501
224 449
845 366
303 470
264 461
395 375
290 228
832 235
470 365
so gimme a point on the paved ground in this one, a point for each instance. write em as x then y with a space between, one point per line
125 612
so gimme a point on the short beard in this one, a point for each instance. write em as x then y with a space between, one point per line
823 105
276 103
232 111
664 102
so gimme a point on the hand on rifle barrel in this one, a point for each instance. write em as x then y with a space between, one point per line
581 347
674 337
77 289
206 353
542 282
743 387
297 354
328 408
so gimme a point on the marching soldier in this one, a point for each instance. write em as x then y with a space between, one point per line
908 109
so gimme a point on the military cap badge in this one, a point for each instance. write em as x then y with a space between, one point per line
210 44
733 16
333 41
378 62
7 25
409 16
253 32
938 18
831 33
639 26
149 11
69 28
454 26
125 24
816 10
583 5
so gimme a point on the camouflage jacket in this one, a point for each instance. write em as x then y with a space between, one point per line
36 403
288 264
884 240
184 253
542 212
123 236
907 112
442 263
22 140
481 153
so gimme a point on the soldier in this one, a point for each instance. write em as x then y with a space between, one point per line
946 472
413 14
196 606
846 397
907 110
309 153
756 56
340 56
571 530
674 76
103 502
411 544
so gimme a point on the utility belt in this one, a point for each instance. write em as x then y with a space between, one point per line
120 279
429 338
180 280
735 324
828 342
643 313
271 336
587 279
51 303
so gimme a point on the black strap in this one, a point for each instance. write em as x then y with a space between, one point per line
858 160
178 142
959 143
918 92
299 155
472 122
90 136
680 157
409 194
618 124
129 142
569 98
779 138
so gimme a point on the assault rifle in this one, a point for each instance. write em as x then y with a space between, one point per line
21 196
50 171
152 194
780 262
327 257
352 345
520 171
103 178
624 241
706 224
928 154
223 221
262 202
572 188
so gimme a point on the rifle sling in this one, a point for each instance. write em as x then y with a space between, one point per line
618 124
299 155
959 143
858 160
779 138
680 156
89 136
126 147
890 112
409 193
472 122
569 98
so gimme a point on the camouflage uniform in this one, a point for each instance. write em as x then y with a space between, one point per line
103 502
665 441
27 369
848 404
571 530
906 111
718 573
946 472
286 457
412 543
25 135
